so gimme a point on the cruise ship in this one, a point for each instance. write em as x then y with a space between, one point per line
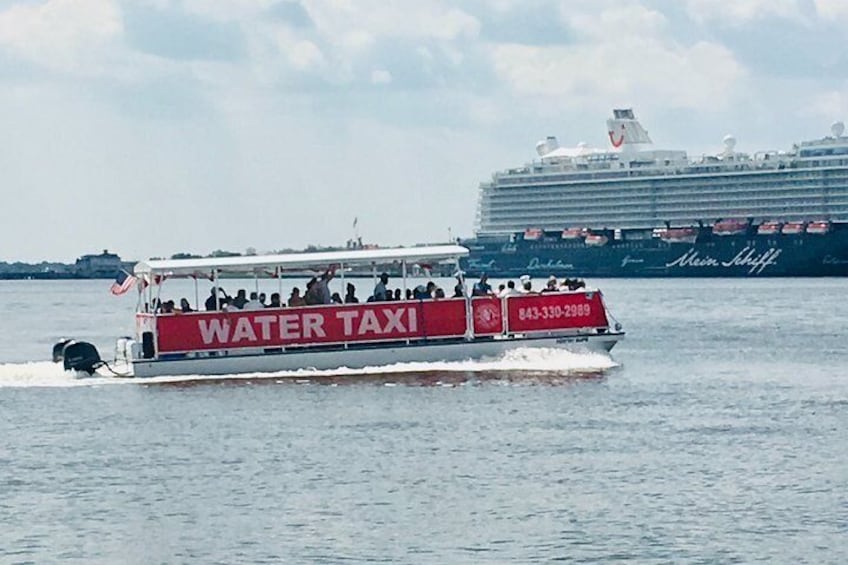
635 211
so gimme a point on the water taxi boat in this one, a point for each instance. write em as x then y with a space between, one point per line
349 335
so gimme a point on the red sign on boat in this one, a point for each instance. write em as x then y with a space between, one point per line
376 322
311 326
554 311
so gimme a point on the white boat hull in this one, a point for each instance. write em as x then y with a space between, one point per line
357 358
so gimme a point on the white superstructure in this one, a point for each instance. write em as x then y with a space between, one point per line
633 186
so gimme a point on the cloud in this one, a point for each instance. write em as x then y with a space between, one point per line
227 10
179 35
72 36
741 12
835 10
381 76
378 18
829 105
621 54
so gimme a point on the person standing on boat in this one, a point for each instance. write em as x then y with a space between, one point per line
482 287
380 289
212 302
322 288
310 296
240 300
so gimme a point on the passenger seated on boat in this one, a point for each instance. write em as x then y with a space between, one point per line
168 307
438 293
510 290
350 294
336 298
501 288
240 300
526 284
296 299
459 289
253 303
380 288
262 299
185 307
275 301
409 294
398 295
552 285
423 292
576 284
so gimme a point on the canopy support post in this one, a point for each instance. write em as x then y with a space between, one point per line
403 275
469 314
344 286
217 289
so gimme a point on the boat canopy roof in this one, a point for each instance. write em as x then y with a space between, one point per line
308 261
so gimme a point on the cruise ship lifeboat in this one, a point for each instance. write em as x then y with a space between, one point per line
818 228
769 228
730 227
533 234
793 228
679 235
573 233
596 240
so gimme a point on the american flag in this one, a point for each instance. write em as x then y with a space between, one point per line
123 282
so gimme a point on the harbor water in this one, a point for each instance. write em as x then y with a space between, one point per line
714 433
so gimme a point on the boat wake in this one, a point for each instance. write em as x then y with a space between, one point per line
45 374
522 365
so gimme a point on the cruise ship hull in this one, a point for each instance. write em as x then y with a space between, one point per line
741 255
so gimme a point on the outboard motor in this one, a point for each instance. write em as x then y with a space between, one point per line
59 350
81 356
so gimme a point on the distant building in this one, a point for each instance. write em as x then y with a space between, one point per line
105 265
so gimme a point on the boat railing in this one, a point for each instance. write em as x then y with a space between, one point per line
371 323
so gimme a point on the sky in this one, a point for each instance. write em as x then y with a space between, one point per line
151 127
